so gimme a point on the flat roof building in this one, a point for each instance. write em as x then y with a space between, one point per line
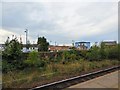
82 45
109 43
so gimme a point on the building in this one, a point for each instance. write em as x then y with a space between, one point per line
58 48
109 43
82 45
2 47
32 47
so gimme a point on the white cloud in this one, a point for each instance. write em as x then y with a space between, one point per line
6 33
74 25
62 21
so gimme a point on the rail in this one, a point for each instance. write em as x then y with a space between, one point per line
74 80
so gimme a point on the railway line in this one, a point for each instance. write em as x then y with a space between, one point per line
75 80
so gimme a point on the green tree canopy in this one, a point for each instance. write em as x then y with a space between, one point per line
42 44
12 50
93 53
103 53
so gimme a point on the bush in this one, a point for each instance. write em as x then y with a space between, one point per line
34 61
73 57
70 56
83 53
113 53
93 54
102 53
12 51
65 56
6 67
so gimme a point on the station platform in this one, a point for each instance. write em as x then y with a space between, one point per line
111 80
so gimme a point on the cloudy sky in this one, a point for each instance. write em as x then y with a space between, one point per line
60 22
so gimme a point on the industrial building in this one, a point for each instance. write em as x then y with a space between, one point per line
82 45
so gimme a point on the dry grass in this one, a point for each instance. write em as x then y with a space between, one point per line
22 78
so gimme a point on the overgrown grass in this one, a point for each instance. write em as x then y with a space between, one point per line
28 77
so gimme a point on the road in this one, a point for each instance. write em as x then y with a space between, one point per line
107 81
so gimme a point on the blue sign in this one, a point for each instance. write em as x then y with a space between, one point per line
86 44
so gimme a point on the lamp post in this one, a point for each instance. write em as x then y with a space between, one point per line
73 43
50 42
55 43
26 31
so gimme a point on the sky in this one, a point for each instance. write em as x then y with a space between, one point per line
59 22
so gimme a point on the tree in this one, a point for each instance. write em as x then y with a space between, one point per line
21 45
103 53
42 44
7 42
34 61
113 52
93 53
12 50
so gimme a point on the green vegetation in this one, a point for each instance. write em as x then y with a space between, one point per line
42 44
12 50
42 67
30 77
34 61
11 56
103 52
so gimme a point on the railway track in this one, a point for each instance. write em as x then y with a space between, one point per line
75 80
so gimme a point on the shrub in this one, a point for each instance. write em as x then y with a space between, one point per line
70 56
6 67
113 53
12 51
83 53
93 54
73 57
65 56
34 61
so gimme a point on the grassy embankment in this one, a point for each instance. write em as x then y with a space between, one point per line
31 77
39 69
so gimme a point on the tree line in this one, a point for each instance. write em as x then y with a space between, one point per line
12 55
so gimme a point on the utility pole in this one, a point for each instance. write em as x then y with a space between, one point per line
96 43
33 44
55 43
26 31
73 43
50 42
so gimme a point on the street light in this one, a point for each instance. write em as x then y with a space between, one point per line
26 31
50 42
73 43
55 43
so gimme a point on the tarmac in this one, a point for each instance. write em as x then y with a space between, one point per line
111 80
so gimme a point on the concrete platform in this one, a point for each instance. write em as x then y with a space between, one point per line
107 81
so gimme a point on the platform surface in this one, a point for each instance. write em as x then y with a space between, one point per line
107 81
